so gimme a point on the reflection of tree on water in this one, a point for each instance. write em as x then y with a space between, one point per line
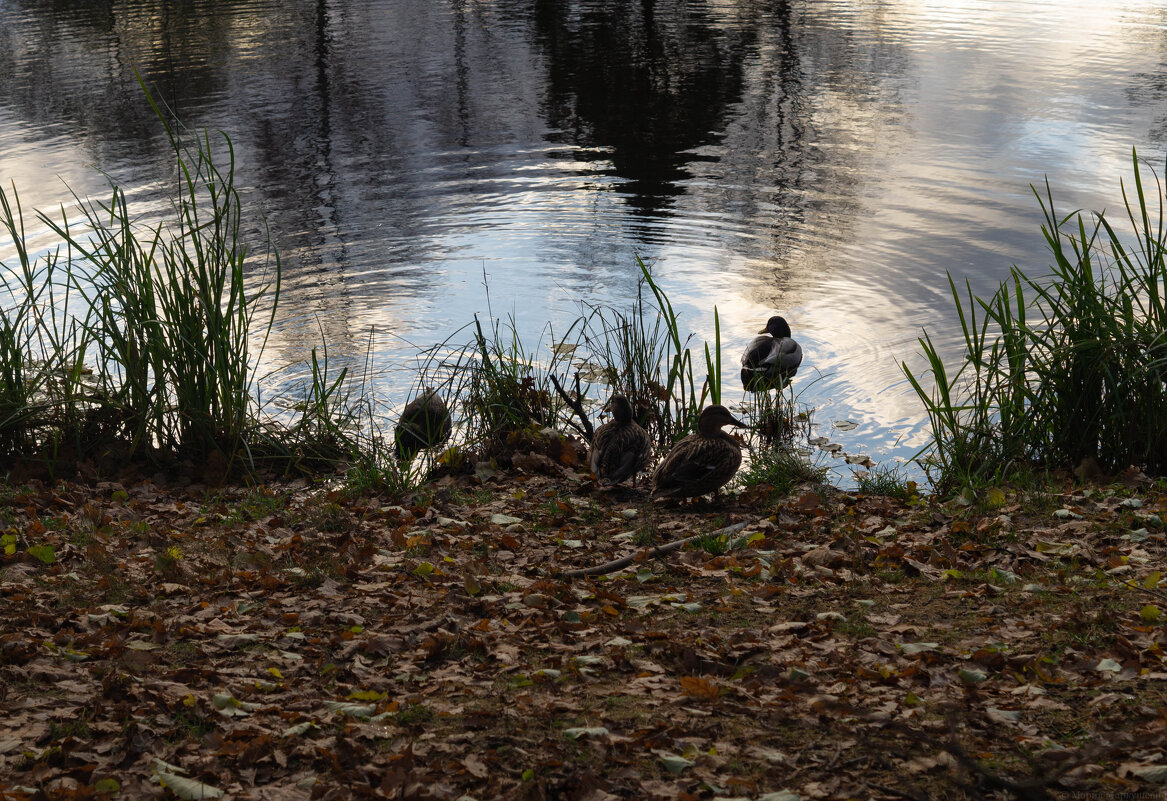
651 81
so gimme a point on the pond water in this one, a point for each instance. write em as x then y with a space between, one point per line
829 160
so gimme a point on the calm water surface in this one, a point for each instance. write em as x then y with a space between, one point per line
826 159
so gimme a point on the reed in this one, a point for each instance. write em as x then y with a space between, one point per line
142 341
1063 368
641 353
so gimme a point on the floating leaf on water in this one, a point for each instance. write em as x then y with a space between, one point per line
845 425
563 348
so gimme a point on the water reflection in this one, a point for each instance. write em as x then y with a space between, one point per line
829 160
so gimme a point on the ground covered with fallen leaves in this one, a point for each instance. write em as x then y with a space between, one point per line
300 641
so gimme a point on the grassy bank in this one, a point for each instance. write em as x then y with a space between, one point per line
132 344
1064 371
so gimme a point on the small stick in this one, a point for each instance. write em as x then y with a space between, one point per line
652 553
576 406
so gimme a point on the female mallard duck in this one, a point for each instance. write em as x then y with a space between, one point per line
770 361
425 423
703 462
620 447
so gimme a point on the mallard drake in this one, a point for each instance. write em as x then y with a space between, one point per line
770 361
701 463
620 447
425 423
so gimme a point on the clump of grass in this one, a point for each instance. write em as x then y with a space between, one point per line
782 469
641 353
887 481
508 389
1061 369
712 544
172 317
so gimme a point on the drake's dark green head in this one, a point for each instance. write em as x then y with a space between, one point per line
777 327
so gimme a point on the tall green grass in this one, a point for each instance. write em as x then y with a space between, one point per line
642 353
142 341
1062 368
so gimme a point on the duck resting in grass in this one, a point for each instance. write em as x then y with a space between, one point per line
771 360
701 463
425 423
620 447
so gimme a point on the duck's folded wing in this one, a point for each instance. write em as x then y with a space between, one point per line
760 353
788 355
692 465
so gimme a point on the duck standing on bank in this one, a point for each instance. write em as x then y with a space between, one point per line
425 423
701 463
771 360
620 447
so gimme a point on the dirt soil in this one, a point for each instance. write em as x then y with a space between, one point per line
299 642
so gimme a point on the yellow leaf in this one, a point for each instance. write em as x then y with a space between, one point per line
274 671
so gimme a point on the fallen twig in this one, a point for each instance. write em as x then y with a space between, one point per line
651 553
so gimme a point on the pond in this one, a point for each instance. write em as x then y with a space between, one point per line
421 163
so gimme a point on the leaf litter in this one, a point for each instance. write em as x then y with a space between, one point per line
296 642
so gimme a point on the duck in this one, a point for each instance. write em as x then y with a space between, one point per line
621 448
771 360
425 423
700 463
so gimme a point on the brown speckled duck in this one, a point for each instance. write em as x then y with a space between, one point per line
771 360
425 423
620 447
701 463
